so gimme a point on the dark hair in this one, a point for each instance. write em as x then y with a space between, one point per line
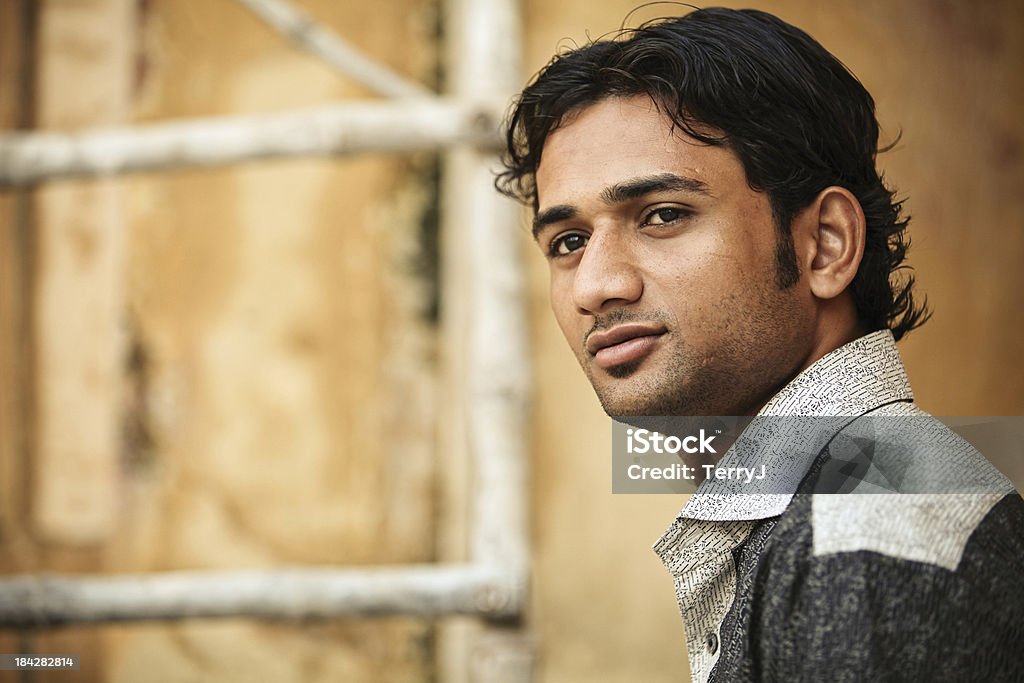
798 120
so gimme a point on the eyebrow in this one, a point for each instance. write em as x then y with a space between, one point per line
623 192
662 182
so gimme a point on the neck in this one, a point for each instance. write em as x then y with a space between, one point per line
836 325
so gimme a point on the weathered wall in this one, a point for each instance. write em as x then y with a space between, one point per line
279 359
277 368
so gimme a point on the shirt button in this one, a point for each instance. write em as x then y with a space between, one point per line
712 643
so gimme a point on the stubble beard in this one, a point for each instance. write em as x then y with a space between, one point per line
680 387
734 376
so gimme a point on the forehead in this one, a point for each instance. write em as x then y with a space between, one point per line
621 138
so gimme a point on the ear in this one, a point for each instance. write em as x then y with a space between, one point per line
832 234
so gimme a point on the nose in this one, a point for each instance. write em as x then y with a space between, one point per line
606 276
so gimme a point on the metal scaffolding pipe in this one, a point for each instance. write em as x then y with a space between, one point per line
324 43
497 374
498 377
348 128
294 593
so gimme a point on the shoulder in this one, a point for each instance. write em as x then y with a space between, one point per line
908 488
827 538
899 448
887 585
932 529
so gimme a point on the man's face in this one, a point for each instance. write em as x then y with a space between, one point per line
662 263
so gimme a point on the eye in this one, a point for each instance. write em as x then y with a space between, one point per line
664 216
566 243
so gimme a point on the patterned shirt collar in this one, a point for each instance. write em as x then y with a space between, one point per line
855 379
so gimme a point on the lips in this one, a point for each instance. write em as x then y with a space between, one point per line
623 344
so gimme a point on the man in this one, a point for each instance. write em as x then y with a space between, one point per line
721 243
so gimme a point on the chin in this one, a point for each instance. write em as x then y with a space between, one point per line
638 398
624 392
631 404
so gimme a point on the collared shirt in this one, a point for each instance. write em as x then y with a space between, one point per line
775 583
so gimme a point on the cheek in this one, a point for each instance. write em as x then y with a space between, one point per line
688 279
561 300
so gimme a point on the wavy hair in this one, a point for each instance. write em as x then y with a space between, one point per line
796 117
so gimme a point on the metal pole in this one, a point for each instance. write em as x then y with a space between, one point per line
345 128
484 65
319 40
296 593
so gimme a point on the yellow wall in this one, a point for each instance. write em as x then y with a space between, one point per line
281 315
278 357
